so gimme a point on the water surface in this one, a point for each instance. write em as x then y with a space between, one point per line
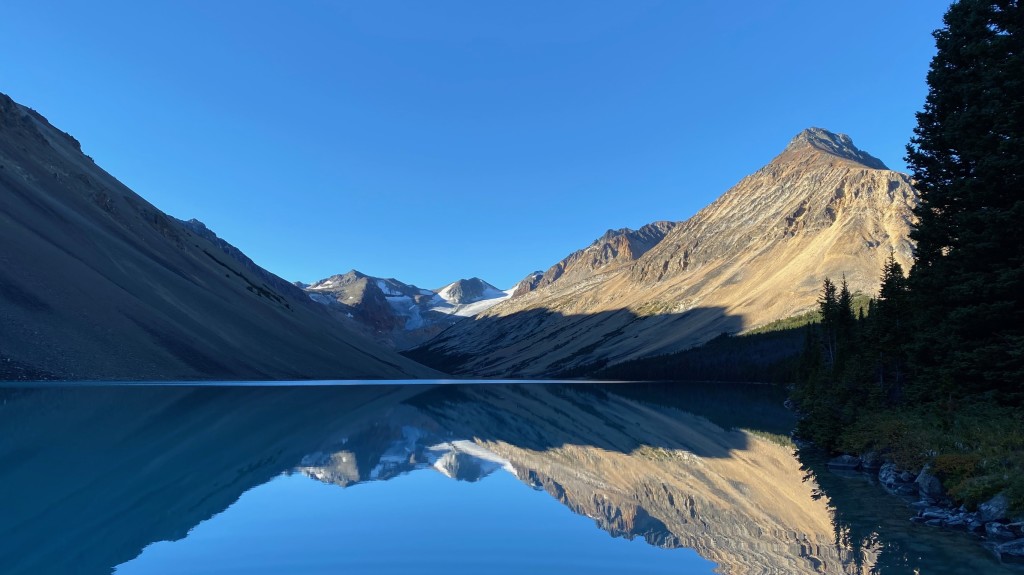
389 478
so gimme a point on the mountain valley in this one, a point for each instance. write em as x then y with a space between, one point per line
99 284
757 254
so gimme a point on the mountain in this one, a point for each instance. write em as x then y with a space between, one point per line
97 283
528 284
613 250
465 292
397 314
758 253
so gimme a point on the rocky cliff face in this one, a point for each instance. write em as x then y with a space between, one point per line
613 250
397 314
528 284
97 283
758 253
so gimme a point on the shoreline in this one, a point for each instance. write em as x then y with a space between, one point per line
991 525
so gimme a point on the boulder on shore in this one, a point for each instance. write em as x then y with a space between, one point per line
994 509
1011 551
929 485
895 481
995 530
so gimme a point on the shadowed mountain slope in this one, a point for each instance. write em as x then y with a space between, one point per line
97 283
758 253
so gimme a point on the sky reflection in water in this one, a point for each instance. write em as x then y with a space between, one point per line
417 523
660 478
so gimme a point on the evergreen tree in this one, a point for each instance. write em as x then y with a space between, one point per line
844 316
889 329
828 305
967 159
935 370
892 294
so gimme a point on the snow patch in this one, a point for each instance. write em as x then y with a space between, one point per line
404 306
387 288
472 309
442 456
321 298
445 293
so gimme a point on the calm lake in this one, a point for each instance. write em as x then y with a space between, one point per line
455 478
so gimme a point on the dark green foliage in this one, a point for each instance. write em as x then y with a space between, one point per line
867 402
827 389
977 450
792 322
967 159
889 331
869 359
828 308
935 372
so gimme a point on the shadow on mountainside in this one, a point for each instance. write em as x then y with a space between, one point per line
541 343
149 463
762 357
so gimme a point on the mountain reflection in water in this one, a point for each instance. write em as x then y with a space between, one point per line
89 477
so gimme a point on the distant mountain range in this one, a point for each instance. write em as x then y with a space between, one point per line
758 253
97 283
398 314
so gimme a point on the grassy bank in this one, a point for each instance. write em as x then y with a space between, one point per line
976 449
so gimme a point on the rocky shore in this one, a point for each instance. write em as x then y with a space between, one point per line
991 521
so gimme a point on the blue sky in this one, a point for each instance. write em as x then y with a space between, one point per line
430 141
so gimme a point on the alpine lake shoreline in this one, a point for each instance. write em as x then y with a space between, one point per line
991 524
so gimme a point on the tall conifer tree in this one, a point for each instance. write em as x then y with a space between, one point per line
967 159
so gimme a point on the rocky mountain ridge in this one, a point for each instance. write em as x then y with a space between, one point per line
758 253
611 251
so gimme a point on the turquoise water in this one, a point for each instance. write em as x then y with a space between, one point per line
397 478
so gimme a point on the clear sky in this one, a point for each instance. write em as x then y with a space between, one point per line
429 141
